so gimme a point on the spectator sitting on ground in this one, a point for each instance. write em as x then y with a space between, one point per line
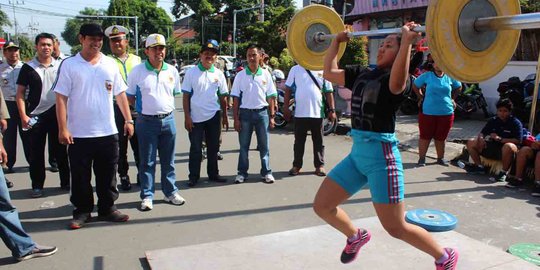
527 153
498 140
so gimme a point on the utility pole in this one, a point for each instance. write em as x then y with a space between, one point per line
261 14
13 3
32 27
234 23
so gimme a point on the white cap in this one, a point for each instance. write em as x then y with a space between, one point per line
116 31
155 40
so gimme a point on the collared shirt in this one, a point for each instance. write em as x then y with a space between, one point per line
154 90
9 76
205 87
89 89
61 57
39 79
308 96
126 66
253 89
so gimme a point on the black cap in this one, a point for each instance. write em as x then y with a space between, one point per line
211 44
91 29
11 44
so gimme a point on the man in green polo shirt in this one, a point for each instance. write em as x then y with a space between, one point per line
205 93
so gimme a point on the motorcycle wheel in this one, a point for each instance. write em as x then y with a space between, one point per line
279 120
328 126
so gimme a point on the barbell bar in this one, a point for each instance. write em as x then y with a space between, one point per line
515 22
471 40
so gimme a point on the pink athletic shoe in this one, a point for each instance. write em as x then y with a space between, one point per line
351 249
451 263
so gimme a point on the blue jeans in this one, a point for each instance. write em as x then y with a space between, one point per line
155 135
253 120
11 230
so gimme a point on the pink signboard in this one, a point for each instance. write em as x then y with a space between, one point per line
374 6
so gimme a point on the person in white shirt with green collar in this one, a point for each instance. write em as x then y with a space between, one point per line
205 102
254 95
152 86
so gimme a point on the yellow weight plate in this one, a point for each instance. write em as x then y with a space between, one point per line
453 55
313 18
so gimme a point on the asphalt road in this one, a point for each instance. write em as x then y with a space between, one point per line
486 211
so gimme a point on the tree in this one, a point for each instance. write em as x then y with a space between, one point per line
151 18
26 47
208 22
4 21
355 53
72 26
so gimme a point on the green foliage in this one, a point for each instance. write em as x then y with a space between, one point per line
72 26
214 15
529 6
27 49
355 53
286 62
151 18
4 21
188 52
75 49
271 33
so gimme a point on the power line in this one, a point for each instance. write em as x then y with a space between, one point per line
55 7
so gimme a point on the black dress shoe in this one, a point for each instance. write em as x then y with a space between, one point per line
9 183
54 169
218 179
192 182
125 184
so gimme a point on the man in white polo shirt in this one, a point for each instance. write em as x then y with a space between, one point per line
38 113
152 87
84 90
309 88
205 91
254 95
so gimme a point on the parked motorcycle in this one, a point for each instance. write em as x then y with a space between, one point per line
520 94
470 100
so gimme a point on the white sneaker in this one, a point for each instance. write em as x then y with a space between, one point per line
147 204
175 199
239 179
269 178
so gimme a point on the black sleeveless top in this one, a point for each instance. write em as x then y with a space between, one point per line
373 105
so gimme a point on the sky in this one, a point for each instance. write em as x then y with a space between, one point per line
35 21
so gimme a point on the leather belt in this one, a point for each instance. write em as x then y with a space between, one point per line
158 116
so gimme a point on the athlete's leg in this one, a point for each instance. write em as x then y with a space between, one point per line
393 221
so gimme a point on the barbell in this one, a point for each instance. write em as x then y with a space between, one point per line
471 40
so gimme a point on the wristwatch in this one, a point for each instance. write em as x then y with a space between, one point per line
130 122
332 110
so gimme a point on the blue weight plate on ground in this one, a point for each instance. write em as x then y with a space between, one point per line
432 220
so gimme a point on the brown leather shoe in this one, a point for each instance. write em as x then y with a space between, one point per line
294 171
320 171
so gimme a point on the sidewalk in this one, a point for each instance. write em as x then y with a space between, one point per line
407 133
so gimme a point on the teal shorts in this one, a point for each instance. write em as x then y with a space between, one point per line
374 160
